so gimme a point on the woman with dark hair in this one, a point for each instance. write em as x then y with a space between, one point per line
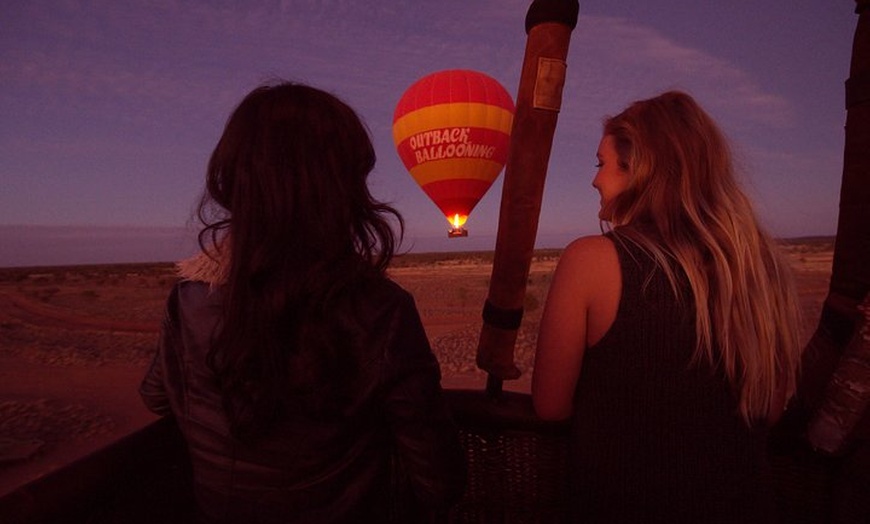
671 341
299 374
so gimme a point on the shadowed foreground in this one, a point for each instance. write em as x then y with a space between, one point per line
517 472
71 372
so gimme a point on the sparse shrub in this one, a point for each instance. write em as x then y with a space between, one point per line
166 282
462 293
10 325
531 303
45 294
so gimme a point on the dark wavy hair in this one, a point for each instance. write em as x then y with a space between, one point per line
287 196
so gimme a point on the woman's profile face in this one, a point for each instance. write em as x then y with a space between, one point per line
611 179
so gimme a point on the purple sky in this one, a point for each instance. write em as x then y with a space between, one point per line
110 108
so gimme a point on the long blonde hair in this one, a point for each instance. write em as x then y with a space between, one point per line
683 187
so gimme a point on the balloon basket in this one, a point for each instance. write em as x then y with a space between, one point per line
457 232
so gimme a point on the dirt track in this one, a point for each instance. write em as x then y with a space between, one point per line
60 403
40 314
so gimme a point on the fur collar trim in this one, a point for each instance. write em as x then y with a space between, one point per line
211 267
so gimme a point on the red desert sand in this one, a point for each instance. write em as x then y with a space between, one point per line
75 342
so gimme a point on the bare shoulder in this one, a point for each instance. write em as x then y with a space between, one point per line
588 272
589 253
581 302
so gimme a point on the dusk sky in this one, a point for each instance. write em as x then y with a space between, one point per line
109 109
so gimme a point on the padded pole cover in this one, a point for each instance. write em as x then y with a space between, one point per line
836 374
549 24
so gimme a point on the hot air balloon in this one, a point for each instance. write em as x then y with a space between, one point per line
452 132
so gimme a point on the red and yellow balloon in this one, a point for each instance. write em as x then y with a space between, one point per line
452 132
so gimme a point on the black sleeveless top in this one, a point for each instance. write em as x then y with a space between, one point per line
656 438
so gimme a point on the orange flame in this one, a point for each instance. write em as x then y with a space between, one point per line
457 220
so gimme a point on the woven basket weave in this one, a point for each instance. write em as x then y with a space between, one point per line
517 471
517 464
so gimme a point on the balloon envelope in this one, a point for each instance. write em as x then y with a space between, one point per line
452 132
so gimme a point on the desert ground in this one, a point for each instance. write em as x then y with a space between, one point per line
75 342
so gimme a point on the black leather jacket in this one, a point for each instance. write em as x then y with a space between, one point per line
396 446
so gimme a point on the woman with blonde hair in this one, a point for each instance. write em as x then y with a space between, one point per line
671 341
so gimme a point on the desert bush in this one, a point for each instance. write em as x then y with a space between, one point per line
531 303
46 294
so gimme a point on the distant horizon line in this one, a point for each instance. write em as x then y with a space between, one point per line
30 246
191 227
